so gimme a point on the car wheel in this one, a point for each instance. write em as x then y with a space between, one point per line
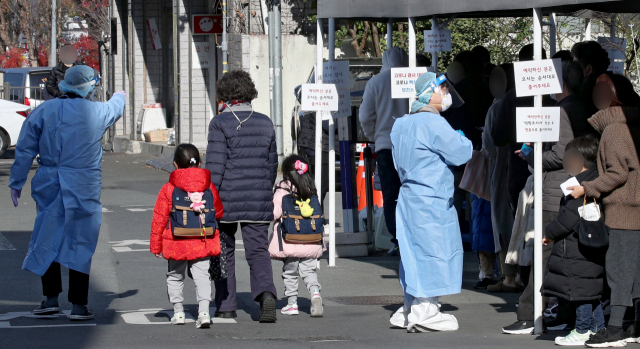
4 142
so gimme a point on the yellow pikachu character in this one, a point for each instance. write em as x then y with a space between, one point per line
305 209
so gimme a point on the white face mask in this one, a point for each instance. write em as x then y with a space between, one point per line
447 101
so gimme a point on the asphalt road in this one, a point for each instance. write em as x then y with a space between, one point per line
128 290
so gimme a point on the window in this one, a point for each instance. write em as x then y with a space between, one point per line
37 81
15 80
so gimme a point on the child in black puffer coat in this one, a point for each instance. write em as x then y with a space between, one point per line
575 272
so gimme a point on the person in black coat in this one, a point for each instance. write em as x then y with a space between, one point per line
243 159
575 272
68 56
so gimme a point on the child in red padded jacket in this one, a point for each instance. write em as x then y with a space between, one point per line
185 234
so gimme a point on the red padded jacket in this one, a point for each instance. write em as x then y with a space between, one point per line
162 239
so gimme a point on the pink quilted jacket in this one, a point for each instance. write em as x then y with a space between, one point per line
313 250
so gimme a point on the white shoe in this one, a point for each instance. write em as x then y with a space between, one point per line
400 318
574 339
178 318
290 309
204 320
317 310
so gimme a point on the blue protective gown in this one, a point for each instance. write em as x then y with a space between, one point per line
424 149
66 134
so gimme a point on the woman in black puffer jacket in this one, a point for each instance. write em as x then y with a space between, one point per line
243 160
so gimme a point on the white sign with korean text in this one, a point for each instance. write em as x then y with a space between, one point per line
437 40
337 73
541 77
202 54
538 124
319 97
403 81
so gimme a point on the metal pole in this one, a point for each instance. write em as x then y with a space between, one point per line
635 49
552 34
271 33
389 33
319 61
332 159
277 86
412 49
225 44
537 252
613 26
54 34
434 54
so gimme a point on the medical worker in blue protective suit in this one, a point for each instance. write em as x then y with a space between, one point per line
65 134
425 148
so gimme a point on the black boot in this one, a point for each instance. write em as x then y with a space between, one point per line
267 307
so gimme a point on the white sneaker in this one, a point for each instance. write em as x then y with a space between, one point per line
178 318
574 339
290 309
204 320
317 310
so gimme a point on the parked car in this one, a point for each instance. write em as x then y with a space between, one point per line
12 116
27 85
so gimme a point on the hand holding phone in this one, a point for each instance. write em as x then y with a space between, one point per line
525 150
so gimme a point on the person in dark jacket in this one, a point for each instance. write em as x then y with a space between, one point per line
576 273
68 57
243 161
594 61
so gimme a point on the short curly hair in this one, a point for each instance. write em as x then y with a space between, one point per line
236 84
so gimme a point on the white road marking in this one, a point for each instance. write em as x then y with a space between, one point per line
5 319
140 317
105 210
5 244
123 246
137 209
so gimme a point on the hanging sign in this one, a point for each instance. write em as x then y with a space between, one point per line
538 124
319 97
337 73
206 24
403 81
437 40
541 77
615 47
202 54
153 32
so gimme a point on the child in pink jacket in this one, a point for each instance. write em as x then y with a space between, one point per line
299 259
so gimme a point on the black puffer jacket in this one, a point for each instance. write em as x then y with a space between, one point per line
574 272
55 77
307 133
243 165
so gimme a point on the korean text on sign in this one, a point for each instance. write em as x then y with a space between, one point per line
538 124
538 77
437 40
403 81
319 97
337 73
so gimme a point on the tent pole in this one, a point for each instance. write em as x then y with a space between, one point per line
434 54
332 159
552 34
537 254
389 33
319 61
412 49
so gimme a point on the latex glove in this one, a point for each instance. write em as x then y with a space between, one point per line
461 133
121 93
15 195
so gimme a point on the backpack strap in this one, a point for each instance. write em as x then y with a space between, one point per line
280 237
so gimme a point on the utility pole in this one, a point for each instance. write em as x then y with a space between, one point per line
225 44
54 34
275 72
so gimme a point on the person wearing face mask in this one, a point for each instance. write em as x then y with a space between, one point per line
617 188
65 133
425 150
575 273
594 61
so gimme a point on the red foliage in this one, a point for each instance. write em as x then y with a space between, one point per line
16 58
88 51
43 57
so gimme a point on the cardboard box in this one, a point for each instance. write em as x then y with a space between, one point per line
156 136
